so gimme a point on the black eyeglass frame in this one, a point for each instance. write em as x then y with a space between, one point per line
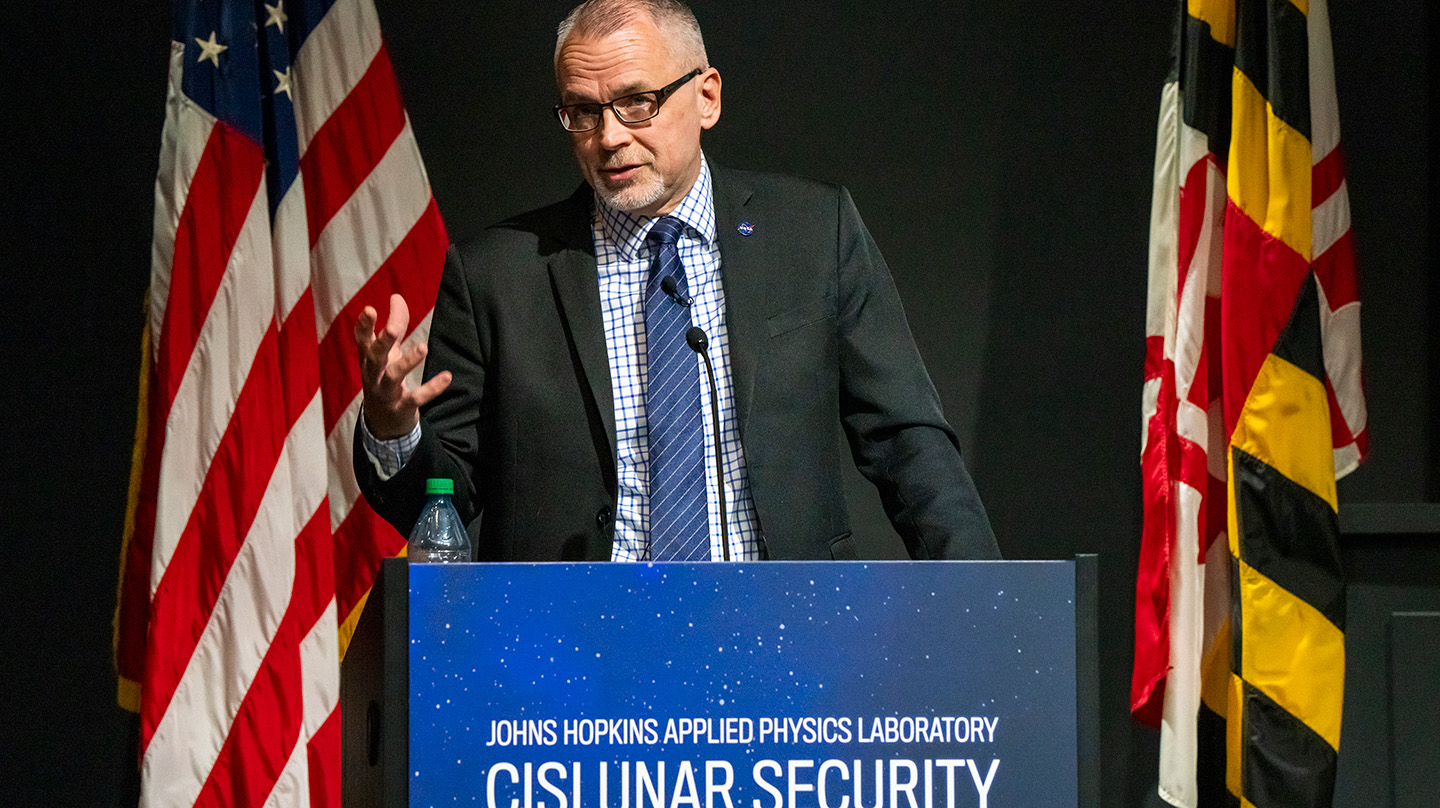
660 96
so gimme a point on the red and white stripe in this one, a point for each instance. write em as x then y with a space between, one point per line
247 510
1181 442
1333 249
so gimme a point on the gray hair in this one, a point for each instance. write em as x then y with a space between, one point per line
599 18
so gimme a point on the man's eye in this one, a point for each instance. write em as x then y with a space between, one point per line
636 103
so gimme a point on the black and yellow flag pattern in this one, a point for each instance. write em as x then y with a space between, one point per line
1285 679
1287 599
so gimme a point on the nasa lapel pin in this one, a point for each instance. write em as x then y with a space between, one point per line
746 228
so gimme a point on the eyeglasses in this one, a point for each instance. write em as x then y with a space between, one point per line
633 108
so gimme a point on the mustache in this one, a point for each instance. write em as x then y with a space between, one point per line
622 159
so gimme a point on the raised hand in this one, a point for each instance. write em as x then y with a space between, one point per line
390 407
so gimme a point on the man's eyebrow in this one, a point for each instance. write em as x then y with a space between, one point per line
633 88
571 97
629 89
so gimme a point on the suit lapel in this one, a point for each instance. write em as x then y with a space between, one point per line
742 278
577 289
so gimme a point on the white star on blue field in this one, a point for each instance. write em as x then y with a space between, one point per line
531 642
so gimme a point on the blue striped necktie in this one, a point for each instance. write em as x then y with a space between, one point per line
679 519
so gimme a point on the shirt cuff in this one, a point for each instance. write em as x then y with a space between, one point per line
388 456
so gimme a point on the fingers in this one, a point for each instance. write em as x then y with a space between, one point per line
402 361
378 344
398 321
385 361
391 407
432 388
365 329
372 355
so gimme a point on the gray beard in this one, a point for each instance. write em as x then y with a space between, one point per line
633 197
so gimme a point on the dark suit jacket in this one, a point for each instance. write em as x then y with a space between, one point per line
817 337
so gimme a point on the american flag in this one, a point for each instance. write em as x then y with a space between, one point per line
290 194
1253 406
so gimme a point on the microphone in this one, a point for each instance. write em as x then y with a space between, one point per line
698 343
697 340
669 287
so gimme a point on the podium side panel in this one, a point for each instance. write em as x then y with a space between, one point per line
373 678
1087 679
361 674
395 705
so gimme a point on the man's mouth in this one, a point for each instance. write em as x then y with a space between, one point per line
620 173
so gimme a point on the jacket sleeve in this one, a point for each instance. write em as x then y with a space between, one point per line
891 412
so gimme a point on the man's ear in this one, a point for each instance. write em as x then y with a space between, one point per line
709 97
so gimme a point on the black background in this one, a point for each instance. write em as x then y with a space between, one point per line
1001 154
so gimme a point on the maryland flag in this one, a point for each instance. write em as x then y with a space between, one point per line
1253 407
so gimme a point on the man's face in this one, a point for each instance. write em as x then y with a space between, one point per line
644 168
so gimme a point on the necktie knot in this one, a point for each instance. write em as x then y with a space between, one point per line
665 235
666 231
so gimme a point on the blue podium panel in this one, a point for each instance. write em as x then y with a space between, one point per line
765 685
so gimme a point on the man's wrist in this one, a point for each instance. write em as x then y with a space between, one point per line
388 456
383 430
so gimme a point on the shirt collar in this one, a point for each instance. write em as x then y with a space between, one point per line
627 231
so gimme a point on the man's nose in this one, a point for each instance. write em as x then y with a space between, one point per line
612 131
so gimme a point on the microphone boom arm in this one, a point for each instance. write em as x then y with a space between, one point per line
698 343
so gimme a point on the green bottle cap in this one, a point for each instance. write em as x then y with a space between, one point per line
439 485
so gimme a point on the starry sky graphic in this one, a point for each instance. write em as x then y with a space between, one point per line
860 641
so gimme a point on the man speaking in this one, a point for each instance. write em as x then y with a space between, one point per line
572 349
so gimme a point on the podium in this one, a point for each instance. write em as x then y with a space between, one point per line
752 685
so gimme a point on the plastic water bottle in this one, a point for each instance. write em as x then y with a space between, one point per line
439 534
